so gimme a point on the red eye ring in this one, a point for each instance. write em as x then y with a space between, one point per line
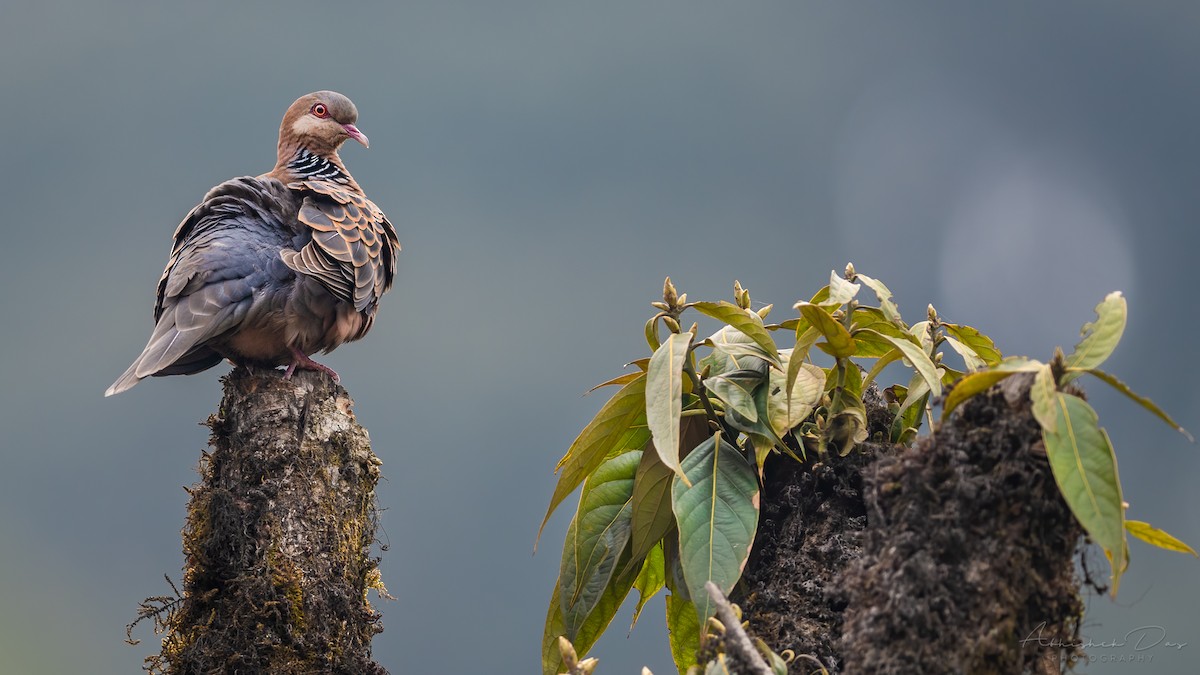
320 110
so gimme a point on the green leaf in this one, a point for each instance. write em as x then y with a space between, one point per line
786 410
1100 337
744 320
620 380
1043 399
977 382
839 342
736 390
609 428
971 359
804 341
919 360
889 308
591 630
1082 460
650 580
652 516
597 537
684 632
884 361
1140 400
841 291
664 392
1156 537
717 518
979 343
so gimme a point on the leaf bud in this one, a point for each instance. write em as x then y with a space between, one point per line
850 273
672 324
669 294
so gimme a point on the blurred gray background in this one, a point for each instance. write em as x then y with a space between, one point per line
547 164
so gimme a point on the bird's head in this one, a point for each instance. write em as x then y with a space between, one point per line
320 122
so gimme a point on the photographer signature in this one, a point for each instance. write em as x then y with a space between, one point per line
1138 639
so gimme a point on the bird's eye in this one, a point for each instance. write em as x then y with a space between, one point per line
320 110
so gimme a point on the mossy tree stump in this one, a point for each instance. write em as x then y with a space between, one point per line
278 536
953 556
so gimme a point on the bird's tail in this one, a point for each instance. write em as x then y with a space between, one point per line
166 346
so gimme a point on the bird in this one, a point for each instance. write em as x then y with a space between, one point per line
268 270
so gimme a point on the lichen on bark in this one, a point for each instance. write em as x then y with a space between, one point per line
278 537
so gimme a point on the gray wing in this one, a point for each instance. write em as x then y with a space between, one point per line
226 253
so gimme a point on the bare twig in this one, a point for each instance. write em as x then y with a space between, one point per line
737 643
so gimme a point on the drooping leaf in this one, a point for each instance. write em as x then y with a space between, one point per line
847 423
744 320
978 382
1100 337
893 354
1085 468
664 392
591 630
650 580
717 517
652 515
970 358
1156 537
804 341
916 398
619 380
1042 397
919 360
979 343
785 409
736 390
609 428
1140 400
684 632
841 291
838 342
889 308
597 537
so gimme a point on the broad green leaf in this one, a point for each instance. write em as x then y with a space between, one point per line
684 632
977 382
610 427
736 390
730 349
919 360
786 410
804 341
591 630
971 359
884 361
1156 537
847 423
1100 337
841 291
1082 460
650 580
1043 399
1140 400
920 331
664 392
597 537
885 298
838 340
869 345
744 320
979 343
652 516
717 517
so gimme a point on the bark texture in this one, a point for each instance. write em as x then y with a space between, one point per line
278 536
940 558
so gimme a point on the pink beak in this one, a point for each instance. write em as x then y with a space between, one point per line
357 135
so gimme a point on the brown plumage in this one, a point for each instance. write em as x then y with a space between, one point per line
271 269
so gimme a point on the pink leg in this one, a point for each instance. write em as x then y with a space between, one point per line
302 362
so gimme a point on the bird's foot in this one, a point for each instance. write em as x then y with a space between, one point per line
300 360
